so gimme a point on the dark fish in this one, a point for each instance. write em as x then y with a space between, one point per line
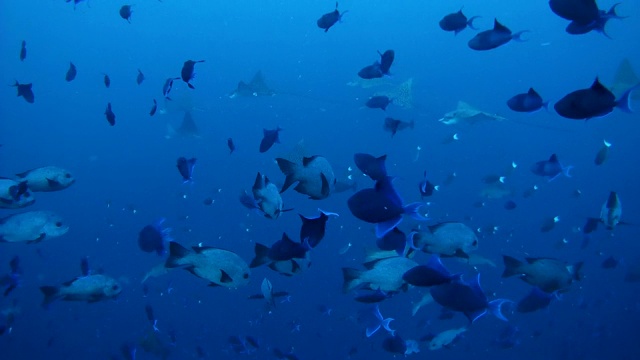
208 201
372 71
535 300
467 298
373 297
185 167
394 125
269 137
382 206
394 344
603 153
188 71
581 11
12 280
313 228
431 274
610 263
150 316
395 240
510 205
491 39
168 85
425 187
71 73
378 102
140 78
327 20
25 91
457 22
549 224
373 167
551 168
23 51
154 108
598 25
231 146
154 238
111 117
527 102
595 101
107 81
590 226
287 249
386 60
125 12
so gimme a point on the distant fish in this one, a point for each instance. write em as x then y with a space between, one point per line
610 263
125 12
550 275
510 205
535 300
231 146
256 87
373 297
386 60
25 90
188 71
314 177
154 238
71 72
111 117
47 178
185 167
610 215
154 108
596 101
551 168
373 167
107 81
527 102
313 228
603 153
140 78
269 137
327 20
581 11
266 198
23 51
491 39
431 274
457 22
394 125
168 85
378 102
598 25
372 71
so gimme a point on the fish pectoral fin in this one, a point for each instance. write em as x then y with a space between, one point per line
225 278
212 284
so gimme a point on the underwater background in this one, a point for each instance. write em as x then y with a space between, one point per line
126 176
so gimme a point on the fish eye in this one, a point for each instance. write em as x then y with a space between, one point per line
474 243
58 224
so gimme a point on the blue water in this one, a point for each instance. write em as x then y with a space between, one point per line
126 175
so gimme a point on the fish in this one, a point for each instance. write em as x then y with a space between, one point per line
14 194
266 198
71 72
534 301
624 79
256 87
267 291
47 178
32 227
220 267
296 255
373 297
610 263
188 71
431 274
527 102
394 125
107 81
394 344
154 237
386 60
382 206
510 205
372 71
549 275
496 37
467 298
13 279
373 167
581 11
23 50
275 294
378 102
111 117
125 13
402 94
596 101
269 137
26 91
185 168
425 187
603 154
446 338
313 228
598 24
465 113
140 77
457 22
395 240
611 212
329 19
231 146
168 85
551 168
88 287
374 321
447 239
314 177
384 275
154 108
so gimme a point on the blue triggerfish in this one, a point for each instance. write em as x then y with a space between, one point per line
269 137
373 167
596 101
551 168
329 19
527 102
491 39
431 274
313 228
185 167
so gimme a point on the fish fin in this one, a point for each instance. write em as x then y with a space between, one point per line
577 271
50 294
370 330
412 210
511 266
497 26
475 315
212 284
326 189
470 22
435 264
308 160
623 103
224 277
518 36
289 169
190 86
53 183
495 308
176 252
351 279
461 254
382 228
261 255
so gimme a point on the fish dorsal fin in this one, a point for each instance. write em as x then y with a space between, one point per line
371 264
553 158
308 160
499 27
598 87
287 239
69 282
532 92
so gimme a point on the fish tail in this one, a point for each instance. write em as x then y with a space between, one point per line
351 279
577 271
50 295
261 255
567 170
495 308
412 210
623 103
289 169
518 36
176 252
470 22
511 266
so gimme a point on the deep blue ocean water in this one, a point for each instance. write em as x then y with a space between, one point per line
126 176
